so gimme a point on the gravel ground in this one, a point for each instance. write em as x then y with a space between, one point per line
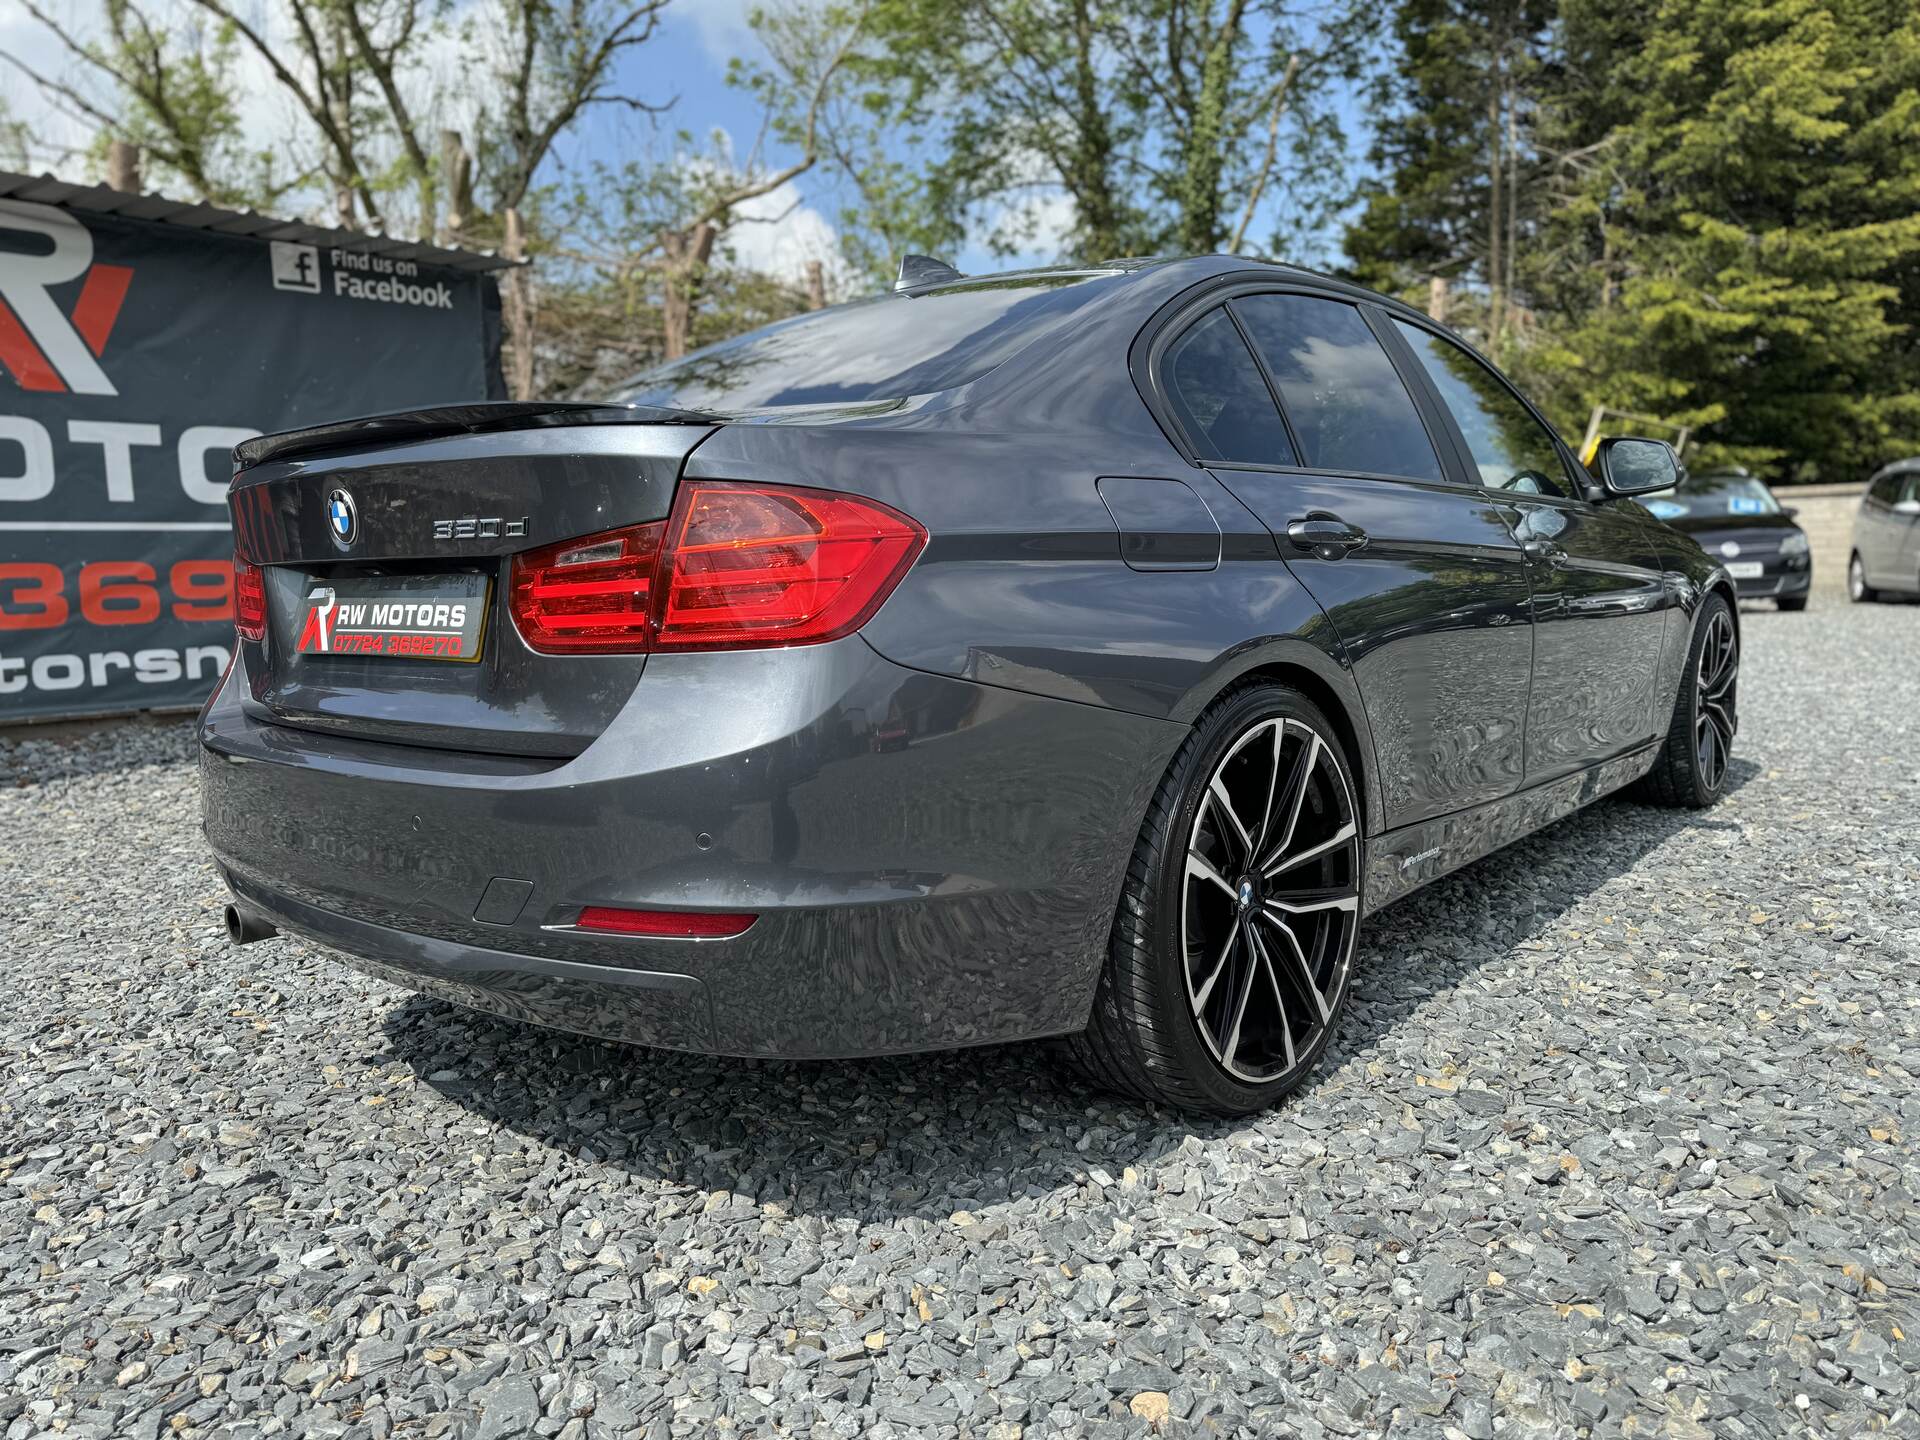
1618 1137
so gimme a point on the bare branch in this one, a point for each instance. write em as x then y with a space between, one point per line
1268 157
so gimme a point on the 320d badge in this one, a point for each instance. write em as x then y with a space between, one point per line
1078 653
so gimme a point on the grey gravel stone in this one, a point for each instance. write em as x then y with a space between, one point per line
1618 1138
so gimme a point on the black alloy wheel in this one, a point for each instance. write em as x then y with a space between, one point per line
1234 946
1716 679
1270 905
1691 768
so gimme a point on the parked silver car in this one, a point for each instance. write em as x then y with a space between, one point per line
1886 535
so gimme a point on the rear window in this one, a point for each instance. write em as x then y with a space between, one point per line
880 349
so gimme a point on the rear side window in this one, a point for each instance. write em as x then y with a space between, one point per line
1511 450
1220 399
1346 401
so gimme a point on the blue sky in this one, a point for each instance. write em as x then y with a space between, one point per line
688 59
685 61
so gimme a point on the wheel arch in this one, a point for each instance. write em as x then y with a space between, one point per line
1723 586
1322 678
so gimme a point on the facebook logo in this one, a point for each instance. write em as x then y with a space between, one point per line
295 267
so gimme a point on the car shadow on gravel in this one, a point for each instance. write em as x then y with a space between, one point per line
929 1135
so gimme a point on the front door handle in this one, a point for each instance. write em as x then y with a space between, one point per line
1326 535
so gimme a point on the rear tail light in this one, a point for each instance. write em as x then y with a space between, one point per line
664 924
590 594
734 567
249 600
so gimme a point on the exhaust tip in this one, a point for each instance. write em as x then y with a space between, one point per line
244 928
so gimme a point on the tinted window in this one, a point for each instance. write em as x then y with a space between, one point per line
1511 449
1719 495
1341 392
1223 404
878 349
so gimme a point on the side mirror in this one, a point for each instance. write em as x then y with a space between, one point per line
1789 511
1907 507
1629 465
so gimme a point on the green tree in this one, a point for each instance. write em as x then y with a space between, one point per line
1164 124
1456 106
169 87
1738 246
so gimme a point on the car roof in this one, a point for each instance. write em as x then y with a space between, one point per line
1187 272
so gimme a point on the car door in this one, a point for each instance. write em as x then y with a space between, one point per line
1290 398
1599 589
1903 535
1874 523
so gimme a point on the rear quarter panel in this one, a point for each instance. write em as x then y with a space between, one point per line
1023 584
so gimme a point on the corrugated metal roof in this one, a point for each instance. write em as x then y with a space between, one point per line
100 200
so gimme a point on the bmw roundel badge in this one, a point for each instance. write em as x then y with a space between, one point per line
343 521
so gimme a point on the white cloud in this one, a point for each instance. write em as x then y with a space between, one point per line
1033 230
721 24
778 234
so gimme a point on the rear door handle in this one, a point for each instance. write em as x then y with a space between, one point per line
1326 535
1546 550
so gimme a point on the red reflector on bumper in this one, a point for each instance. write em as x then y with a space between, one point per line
668 924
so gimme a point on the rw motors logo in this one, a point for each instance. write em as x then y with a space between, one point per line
41 346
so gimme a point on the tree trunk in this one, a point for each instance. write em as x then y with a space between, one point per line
517 309
1513 199
1203 157
340 111
1496 186
1090 154
456 171
687 253
816 285
1437 298
123 166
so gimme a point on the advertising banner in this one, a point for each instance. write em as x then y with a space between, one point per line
133 357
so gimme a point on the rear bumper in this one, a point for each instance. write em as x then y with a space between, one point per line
933 862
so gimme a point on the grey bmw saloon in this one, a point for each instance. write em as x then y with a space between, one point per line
1073 653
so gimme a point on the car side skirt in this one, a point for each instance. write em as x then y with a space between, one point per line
1403 860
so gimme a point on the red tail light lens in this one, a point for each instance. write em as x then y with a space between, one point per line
590 594
758 565
249 601
666 924
734 567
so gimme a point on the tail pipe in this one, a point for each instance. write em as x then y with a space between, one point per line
244 926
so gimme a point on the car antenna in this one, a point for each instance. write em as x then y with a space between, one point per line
918 270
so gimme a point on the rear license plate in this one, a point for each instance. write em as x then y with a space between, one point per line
410 617
1745 569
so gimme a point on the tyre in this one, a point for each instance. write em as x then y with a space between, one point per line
1792 604
1233 947
1691 770
1858 590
